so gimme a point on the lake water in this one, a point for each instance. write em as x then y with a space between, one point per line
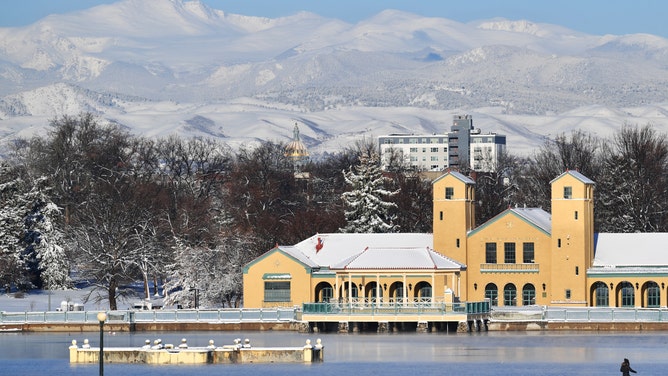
478 354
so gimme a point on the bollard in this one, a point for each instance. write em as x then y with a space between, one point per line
318 351
184 344
73 351
308 352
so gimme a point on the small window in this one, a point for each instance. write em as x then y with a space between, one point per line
577 270
509 253
490 253
568 192
558 243
568 293
528 253
440 215
449 192
457 243
576 215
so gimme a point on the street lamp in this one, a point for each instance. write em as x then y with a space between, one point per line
101 317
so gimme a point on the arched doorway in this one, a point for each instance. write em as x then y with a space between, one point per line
509 295
652 295
372 292
600 294
396 293
423 291
492 293
528 295
323 292
626 292
344 293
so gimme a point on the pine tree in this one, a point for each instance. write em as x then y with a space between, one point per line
367 211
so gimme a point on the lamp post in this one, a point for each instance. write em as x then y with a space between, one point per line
101 317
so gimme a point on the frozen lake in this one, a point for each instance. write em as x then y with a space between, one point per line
479 354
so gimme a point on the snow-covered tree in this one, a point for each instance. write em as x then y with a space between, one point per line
204 277
30 241
44 241
11 222
633 190
367 210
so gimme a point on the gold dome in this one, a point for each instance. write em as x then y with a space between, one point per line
296 149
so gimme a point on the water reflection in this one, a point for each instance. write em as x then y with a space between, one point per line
480 354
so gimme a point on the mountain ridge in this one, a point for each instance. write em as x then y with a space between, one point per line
175 66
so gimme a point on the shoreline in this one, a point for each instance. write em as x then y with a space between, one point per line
492 326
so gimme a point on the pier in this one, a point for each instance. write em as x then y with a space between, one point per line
158 353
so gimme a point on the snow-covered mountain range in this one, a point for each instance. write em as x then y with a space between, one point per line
175 66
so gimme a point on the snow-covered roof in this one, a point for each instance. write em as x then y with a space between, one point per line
458 175
536 216
398 258
331 249
612 250
299 255
575 174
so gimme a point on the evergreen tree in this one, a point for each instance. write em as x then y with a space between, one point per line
366 208
31 244
43 241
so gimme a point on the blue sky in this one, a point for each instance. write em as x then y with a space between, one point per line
590 16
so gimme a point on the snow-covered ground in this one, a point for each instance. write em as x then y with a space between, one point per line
42 300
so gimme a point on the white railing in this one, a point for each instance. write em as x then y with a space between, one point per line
606 314
132 316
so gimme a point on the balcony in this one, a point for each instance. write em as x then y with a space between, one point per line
509 268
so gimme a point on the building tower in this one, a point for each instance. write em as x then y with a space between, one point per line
454 216
572 238
296 151
459 141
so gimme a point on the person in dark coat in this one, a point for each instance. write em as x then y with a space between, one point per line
626 368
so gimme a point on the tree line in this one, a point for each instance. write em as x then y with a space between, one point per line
91 202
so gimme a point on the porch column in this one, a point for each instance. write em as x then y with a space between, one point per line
336 287
433 288
378 288
405 292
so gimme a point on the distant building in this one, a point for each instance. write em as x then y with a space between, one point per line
297 152
462 146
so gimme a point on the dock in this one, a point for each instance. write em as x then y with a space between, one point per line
157 353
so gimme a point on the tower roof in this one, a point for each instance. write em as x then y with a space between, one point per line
296 149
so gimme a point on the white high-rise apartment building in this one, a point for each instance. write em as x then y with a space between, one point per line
462 146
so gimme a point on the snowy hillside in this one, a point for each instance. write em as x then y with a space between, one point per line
175 66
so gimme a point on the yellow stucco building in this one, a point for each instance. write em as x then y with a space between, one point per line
521 257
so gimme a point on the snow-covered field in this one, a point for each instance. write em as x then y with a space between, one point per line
42 300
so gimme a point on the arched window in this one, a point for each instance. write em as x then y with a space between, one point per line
528 294
327 294
492 293
602 294
397 291
653 295
510 295
423 291
628 295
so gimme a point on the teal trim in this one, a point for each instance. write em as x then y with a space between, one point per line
322 275
626 274
502 215
275 276
387 275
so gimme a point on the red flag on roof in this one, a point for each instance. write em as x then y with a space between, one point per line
319 246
